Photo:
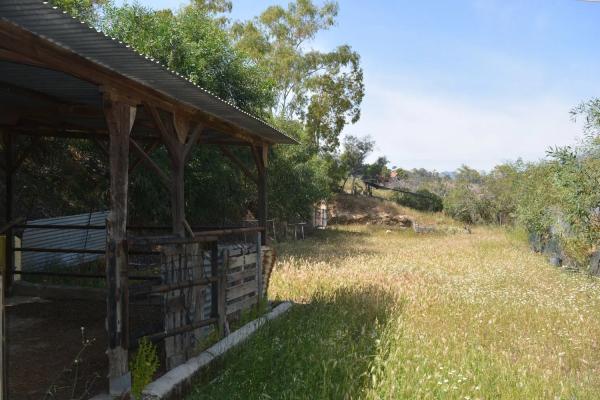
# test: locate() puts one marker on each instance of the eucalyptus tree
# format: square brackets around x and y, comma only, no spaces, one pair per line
[322,89]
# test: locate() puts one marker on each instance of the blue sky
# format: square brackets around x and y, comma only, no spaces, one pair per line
[478,82]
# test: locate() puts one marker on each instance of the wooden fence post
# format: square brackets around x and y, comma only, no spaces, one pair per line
[259,274]
[214,288]
[119,118]
[222,295]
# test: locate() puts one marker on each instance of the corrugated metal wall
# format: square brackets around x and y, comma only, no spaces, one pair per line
[90,239]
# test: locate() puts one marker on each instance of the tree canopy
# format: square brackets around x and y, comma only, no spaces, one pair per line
[324,90]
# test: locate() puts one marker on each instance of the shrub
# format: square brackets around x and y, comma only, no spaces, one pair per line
[143,366]
[424,200]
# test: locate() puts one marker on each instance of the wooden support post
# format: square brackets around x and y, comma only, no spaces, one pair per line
[179,139]
[178,196]
[261,161]
[119,118]
[10,203]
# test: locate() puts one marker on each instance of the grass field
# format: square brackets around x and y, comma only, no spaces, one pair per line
[403,316]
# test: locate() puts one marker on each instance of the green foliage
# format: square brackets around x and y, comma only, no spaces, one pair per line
[143,366]
[324,90]
[86,10]
[355,152]
[320,350]
[198,41]
[424,200]
[535,199]
[378,171]
[465,205]
[297,180]
[194,43]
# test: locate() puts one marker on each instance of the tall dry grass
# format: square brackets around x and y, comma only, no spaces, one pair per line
[402,316]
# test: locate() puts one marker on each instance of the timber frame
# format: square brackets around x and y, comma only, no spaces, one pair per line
[50,89]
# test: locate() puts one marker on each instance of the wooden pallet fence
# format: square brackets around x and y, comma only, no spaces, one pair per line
[202,287]
[184,307]
[245,275]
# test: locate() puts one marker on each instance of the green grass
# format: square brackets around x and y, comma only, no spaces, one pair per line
[396,315]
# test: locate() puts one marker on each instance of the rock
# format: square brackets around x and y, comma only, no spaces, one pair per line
[556,261]
[595,263]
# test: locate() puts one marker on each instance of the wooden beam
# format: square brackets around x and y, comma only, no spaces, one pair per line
[150,162]
[119,119]
[193,140]
[10,149]
[26,92]
[258,161]
[239,163]
[148,150]
[262,190]
[182,127]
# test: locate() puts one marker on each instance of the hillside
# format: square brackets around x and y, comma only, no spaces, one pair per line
[358,209]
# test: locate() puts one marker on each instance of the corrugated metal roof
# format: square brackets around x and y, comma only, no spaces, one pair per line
[56,26]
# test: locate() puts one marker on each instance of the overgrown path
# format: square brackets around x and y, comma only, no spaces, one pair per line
[395,315]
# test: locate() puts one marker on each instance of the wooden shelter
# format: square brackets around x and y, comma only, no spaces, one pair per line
[61,78]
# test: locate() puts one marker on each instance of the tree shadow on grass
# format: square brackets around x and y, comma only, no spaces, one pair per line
[319,350]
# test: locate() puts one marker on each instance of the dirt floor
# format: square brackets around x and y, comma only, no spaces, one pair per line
[45,339]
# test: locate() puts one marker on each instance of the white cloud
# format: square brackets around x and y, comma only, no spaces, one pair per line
[436,131]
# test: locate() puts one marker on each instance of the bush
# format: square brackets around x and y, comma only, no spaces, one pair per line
[143,366]
[422,200]
[464,204]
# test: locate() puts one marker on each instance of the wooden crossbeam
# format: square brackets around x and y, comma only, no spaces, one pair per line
[148,150]
[145,157]
[258,160]
[239,163]
[192,141]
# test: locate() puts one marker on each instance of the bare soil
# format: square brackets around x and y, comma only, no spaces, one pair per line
[44,340]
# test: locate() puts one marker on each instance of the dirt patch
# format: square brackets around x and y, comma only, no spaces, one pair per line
[348,209]
[43,341]
[45,337]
